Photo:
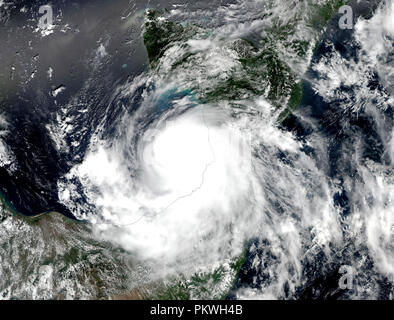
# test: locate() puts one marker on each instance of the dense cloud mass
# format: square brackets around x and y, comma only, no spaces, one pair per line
[264,135]
[173,188]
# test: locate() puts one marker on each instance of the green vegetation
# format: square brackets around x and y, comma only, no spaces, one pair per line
[267,66]
[294,101]
[215,285]
[159,33]
[232,89]
[300,47]
[168,290]
[325,12]
[263,72]
[66,249]
[71,257]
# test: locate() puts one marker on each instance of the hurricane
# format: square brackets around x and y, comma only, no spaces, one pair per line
[246,153]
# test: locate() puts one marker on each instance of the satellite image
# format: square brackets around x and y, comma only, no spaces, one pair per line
[197,150]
